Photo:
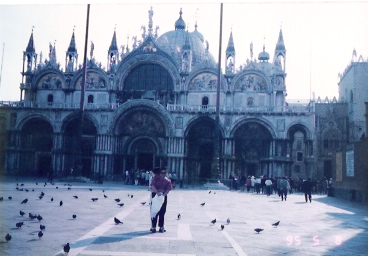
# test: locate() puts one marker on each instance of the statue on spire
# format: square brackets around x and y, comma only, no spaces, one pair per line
[92,48]
[150,22]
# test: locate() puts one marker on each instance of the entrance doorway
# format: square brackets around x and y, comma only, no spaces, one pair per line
[327,169]
[44,166]
[251,169]
[145,161]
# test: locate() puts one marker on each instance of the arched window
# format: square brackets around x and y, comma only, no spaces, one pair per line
[90,99]
[205,101]
[50,98]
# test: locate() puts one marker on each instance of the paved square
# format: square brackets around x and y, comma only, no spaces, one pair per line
[327,226]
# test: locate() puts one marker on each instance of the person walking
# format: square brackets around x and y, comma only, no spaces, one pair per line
[160,186]
[284,187]
[307,189]
[268,184]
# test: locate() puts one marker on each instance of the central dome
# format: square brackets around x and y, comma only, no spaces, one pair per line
[173,41]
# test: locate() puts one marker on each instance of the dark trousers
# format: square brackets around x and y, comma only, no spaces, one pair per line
[268,190]
[283,194]
[160,215]
[308,195]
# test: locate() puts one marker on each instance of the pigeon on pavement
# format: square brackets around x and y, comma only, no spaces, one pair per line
[66,248]
[19,224]
[222,227]
[42,227]
[117,221]
[61,203]
[213,221]
[258,230]
[117,200]
[276,224]
[121,204]
[179,216]
[74,216]
[8,237]
[40,234]
[21,213]
[228,221]
[24,201]
[202,204]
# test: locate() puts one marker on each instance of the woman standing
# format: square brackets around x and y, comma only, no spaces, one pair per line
[160,186]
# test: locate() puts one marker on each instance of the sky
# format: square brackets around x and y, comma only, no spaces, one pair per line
[319,36]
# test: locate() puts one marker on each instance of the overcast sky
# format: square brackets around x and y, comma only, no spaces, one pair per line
[319,36]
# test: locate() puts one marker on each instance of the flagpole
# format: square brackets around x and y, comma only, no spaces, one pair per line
[216,149]
[78,161]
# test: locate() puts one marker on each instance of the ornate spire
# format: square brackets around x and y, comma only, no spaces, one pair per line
[113,46]
[150,22]
[72,47]
[230,46]
[280,46]
[30,46]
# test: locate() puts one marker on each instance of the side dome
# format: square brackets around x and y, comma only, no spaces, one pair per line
[263,56]
[197,33]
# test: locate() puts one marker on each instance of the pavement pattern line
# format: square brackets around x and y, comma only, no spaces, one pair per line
[101,253]
[86,240]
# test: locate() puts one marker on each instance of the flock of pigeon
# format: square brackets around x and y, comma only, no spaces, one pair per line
[257,230]
[66,247]
[38,217]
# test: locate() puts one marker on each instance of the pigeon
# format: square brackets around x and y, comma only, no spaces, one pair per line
[222,227]
[143,203]
[94,199]
[179,216]
[74,216]
[1,198]
[21,213]
[121,204]
[66,248]
[52,199]
[24,201]
[31,215]
[131,196]
[76,197]
[19,224]
[90,189]
[40,197]
[57,187]
[228,221]
[117,221]
[105,196]
[258,230]
[36,183]
[39,217]
[209,192]
[69,188]
[61,203]
[202,204]
[117,200]
[26,190]
[8,237]
[40,234]
[213,221]
[22,184]
[42,227]
[42,194]
[103,191]
[276,224]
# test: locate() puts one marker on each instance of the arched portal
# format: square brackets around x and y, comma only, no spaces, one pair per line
[141,133]
[36,141]
[200,145]
[252,147]
[75,148]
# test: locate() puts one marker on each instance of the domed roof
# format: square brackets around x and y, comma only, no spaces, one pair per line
[173,41]
[263,56]
[197,33]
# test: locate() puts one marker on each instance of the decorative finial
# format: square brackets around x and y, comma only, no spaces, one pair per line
[251,50]
[74,29]
[115,27]
[150,22]
[32,28]
[181,12]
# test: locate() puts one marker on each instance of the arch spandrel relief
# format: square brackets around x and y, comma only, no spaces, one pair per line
[94,81]
[141,122]
[251,82]
[51,81]
[203,82]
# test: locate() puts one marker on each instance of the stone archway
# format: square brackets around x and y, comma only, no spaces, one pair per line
[200,148]
[252,146]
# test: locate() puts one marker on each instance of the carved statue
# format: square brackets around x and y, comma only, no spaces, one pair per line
[92,48]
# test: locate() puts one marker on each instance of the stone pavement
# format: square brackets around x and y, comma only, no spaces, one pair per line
[327,226]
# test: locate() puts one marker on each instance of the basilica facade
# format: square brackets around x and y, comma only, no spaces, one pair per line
[155,105]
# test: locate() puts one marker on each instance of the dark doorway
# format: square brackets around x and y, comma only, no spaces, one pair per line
[251,169]
[44,166]
[145,161]
[205,153]
[327,169]
[86,167]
